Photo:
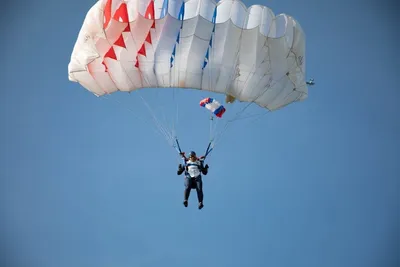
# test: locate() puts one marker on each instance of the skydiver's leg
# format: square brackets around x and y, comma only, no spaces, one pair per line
[186,192]
[199,190]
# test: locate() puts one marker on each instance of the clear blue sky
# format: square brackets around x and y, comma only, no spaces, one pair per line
[85,184]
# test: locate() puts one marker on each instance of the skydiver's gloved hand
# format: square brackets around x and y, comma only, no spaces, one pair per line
[204,170]
[180,169]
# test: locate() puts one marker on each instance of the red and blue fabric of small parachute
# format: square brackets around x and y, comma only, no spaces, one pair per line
[213,105]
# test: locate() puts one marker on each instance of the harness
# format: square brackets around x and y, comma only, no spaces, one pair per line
[193,168]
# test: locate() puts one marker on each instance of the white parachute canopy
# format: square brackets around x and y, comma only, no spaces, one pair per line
[248,54]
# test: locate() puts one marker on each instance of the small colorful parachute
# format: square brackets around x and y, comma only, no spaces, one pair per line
[214,106]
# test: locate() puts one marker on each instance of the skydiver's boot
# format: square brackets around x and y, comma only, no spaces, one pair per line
[201,205]
[185,203]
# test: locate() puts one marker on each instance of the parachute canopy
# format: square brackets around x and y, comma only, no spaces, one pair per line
[214,106]
[246,54]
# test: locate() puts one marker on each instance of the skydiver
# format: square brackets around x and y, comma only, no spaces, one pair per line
[310,82]
[193,169]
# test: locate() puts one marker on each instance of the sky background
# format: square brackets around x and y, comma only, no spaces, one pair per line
[84,183]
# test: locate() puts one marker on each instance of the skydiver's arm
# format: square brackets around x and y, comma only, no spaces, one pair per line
[183,156]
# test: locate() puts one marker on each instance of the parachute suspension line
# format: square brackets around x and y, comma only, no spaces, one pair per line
[159,125]
[225,127]
[168,133]
[175,122]
[177,146]
[257,116]
[169,126]
[241,111]
[178,149]
[211,127]
[165,129]
[156,110]
[134,113]
[211,135]
[119,103]
[208,150]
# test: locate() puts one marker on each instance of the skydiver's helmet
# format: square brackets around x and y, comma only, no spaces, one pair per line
[192,154]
